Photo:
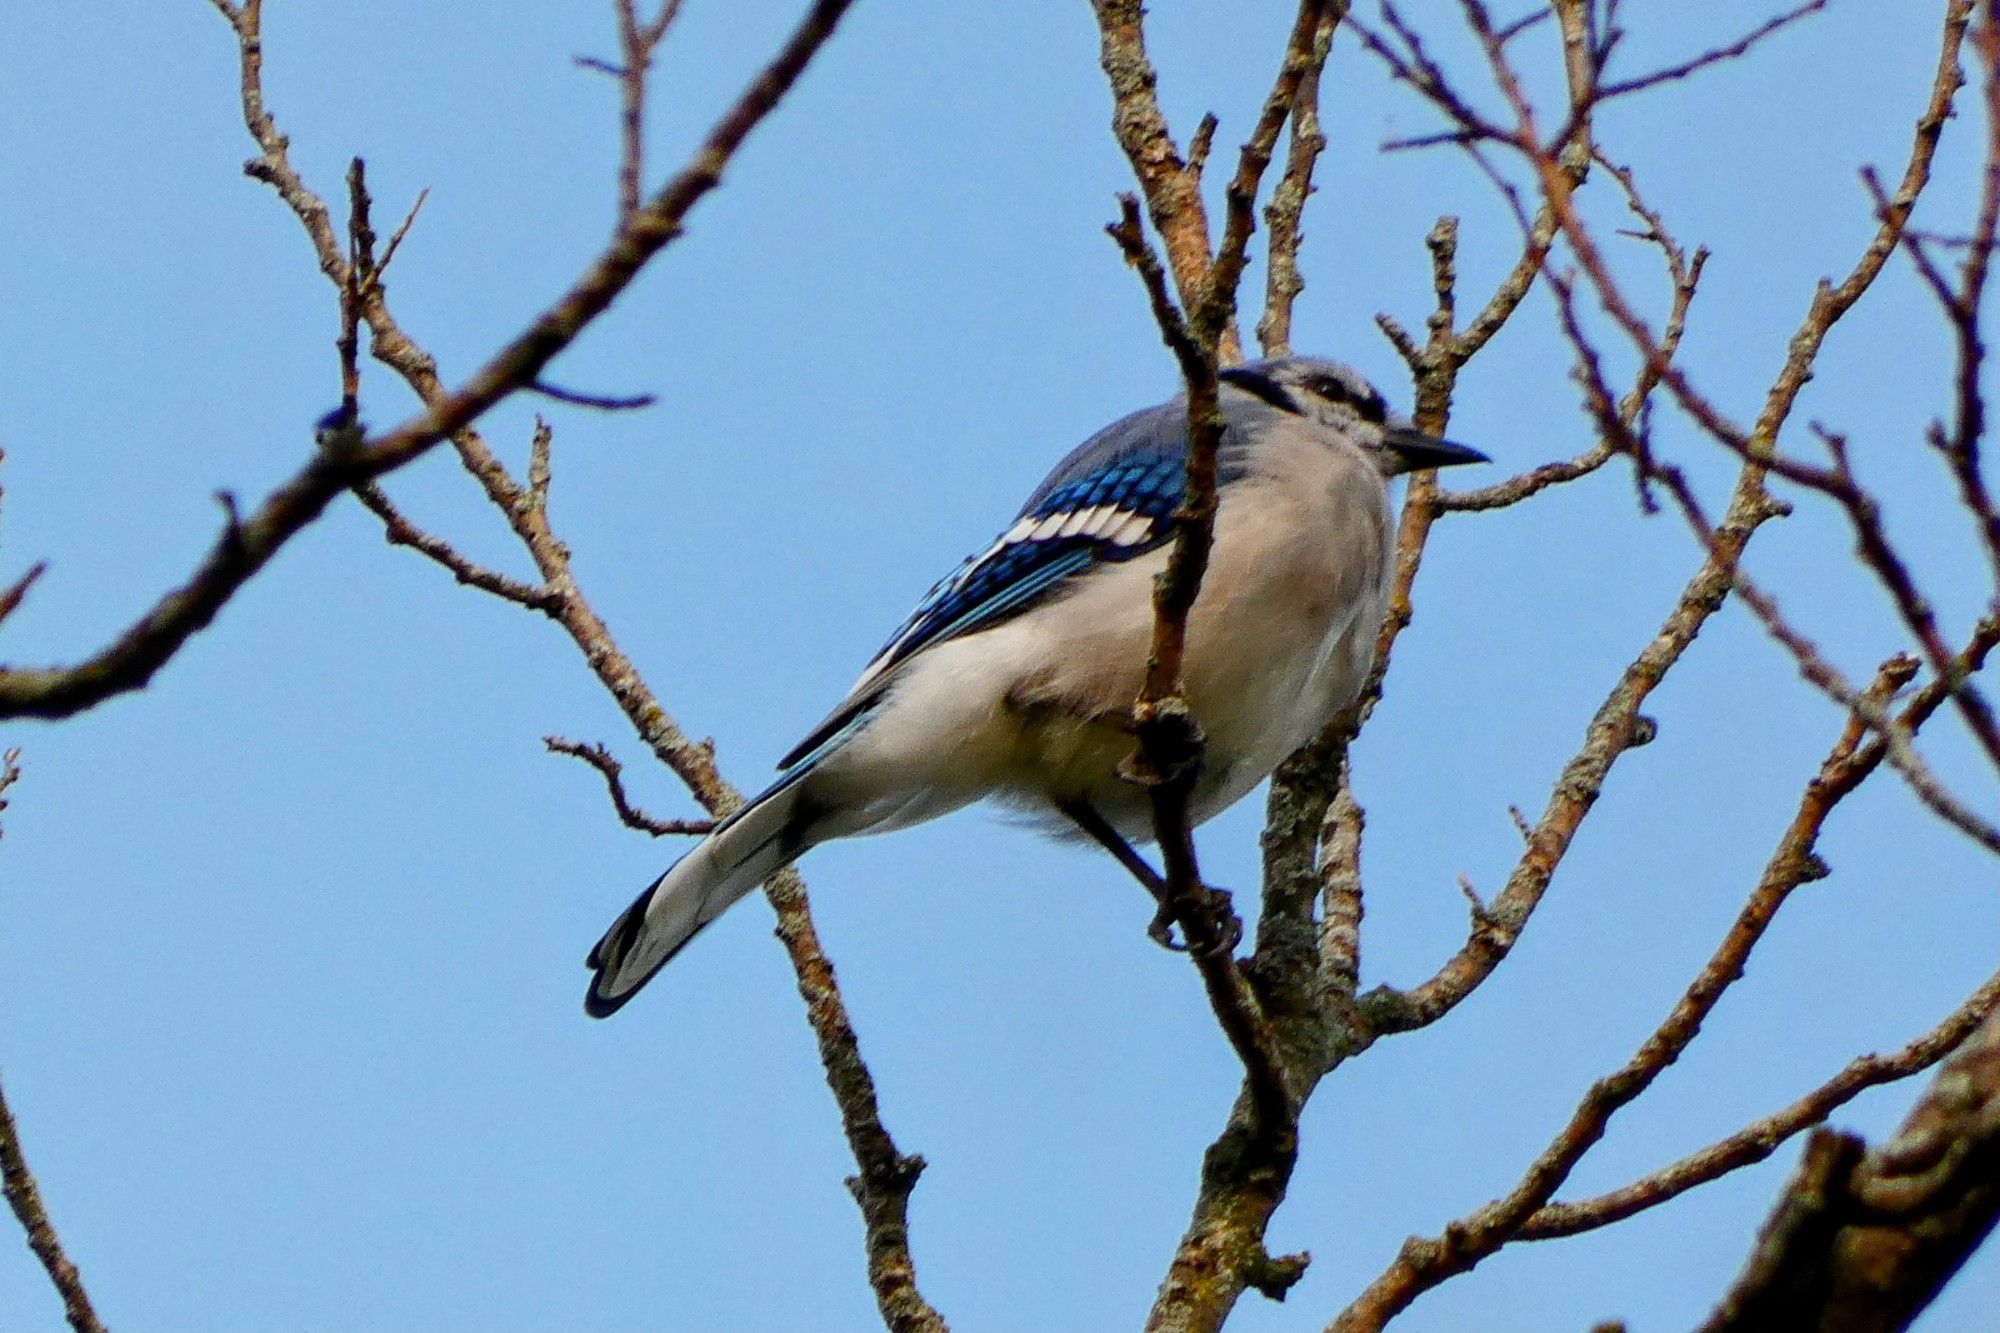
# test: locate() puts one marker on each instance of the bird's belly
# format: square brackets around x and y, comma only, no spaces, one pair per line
[1298,693]
[1265,669]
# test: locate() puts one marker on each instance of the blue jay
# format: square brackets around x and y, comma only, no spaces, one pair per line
[1015,675]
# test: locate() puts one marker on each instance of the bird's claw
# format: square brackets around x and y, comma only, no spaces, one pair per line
[1213,904]
[1161,929]
[1228,926]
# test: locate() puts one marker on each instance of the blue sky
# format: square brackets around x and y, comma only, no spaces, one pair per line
[290,943]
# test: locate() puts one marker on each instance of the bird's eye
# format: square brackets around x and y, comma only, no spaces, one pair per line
[1331,389]
[1368,406]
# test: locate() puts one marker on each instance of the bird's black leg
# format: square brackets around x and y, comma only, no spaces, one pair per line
[1085,816]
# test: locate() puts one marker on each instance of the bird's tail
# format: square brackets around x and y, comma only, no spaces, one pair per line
[744,850]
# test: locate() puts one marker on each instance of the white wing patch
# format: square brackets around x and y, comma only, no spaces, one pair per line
[1111,523]
[1115,525]
[1133,531]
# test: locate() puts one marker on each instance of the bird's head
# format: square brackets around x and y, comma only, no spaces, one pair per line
[1336,396]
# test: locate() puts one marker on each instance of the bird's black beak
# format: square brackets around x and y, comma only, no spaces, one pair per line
[1417,451]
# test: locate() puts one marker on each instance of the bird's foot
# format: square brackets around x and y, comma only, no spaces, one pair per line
[1225,927]
[1212,907]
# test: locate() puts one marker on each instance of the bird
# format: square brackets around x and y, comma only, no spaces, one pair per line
[1015,675]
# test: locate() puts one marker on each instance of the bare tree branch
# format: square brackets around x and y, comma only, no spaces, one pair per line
[1685,272]
[1434,366]
[1614,729]
[1246,1173]
[17,592]
[1812,663]
[24,1196]
[1171,188]
[602,402]
[1760,1138]
[600,758]
[637,43]
[400,531]
[1290,1009]
[885,1175]
[1864,1240]
[1423,1264]
[1754,445]
[1757,446]
[1283,215]
[243,549]
[1734,50]
[1170,737]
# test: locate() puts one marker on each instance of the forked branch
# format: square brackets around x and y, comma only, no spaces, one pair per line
[246,546]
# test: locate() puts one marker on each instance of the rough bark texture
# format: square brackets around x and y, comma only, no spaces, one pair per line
[1862,1240]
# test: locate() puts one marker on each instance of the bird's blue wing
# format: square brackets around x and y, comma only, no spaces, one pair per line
[1111,500]
[1113,514]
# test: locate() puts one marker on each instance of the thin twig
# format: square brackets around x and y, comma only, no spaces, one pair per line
[1685,272]
[1734,50]
[360,272]
[1812,664]
[398,530]
[638,42]
[540,473]
[1172,191]
[16,592]
[1213,316]
[600,758]
[1961,445]
[1756,446]
[24,1196]
[396,237]
[602,402]
[1283,215]
[1435,365]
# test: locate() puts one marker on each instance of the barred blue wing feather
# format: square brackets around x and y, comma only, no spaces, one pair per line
[1114,514]
[1111,500]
